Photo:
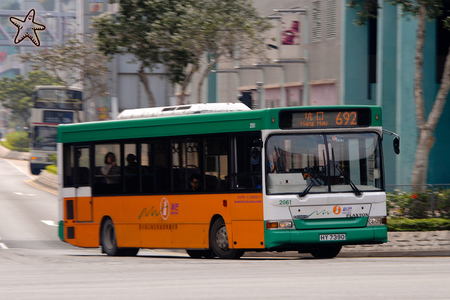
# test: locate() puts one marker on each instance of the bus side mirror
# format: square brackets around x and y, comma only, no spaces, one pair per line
[258,143]
[397,145]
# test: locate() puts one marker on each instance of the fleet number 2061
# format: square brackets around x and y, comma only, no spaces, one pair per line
[284,202]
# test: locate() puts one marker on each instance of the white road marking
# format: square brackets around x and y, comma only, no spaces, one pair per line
[22,194]
[19,169]
[3,246]
[49,222]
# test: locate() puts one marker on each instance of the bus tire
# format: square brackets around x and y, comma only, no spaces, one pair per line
[109,243]
[218,239]
[200,253]
[329,251]
[35,171]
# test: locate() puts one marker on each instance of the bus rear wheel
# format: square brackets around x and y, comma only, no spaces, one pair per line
[327,251]
[109,243]
[218,239]
[200,253]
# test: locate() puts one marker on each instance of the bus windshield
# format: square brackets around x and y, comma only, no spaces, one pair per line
[324,163]
[44,138]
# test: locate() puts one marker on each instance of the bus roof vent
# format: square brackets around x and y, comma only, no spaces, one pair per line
[199,108]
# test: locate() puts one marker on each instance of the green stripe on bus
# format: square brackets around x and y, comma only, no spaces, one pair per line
[282,237]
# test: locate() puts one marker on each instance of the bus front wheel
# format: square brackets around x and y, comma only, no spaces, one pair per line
[327,251]
[218,239]
[109,243]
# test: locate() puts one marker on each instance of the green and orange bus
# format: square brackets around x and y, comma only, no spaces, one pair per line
[306,179]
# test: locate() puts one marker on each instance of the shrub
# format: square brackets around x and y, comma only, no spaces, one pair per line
[442,202]
[52,169]
[402,224]
[52,158]
[17,141]
[419,205]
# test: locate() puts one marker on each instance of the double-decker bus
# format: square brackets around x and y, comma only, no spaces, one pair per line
[53,105]
[306,179]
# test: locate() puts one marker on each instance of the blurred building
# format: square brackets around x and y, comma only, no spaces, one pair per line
[318,56]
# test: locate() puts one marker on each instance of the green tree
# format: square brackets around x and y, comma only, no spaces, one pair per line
[182,35]
[216,29]
[16,93]
[76,62]
[127,32]
[421,9]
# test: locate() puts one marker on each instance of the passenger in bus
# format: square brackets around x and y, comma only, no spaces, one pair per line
[132,167]
[273,161]
[276,162]
[110,169]
[194,183]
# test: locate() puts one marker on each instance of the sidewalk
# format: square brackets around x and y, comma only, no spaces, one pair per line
[426,243]
[8,154]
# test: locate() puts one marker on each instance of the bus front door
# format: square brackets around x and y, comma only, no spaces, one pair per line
[83,190]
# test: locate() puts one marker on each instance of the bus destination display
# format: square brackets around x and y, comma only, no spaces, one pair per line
[324,118]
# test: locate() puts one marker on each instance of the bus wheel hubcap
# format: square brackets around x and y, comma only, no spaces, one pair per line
[222,238]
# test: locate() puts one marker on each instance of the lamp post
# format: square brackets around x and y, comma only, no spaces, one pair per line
[229,71]
[261,92]
[283,79]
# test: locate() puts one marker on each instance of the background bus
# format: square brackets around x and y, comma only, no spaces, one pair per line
[53,105]
[308,179]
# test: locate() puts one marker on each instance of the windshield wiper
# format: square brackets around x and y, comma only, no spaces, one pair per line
[355,189]
[313,182]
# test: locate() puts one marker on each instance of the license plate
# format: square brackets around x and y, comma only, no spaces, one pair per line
[332,237]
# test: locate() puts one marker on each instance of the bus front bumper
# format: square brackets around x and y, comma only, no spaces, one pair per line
[294,239]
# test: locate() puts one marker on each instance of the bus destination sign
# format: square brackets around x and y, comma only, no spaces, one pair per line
[325,118]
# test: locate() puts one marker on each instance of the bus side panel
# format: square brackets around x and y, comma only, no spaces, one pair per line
[247,235]
[86,235]
[191,236]
[247,230]
[170,221]
[246,206]
[180,221]
[84,209]
[128,235]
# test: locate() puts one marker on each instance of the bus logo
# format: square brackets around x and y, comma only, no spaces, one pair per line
[337,210]
[164,208]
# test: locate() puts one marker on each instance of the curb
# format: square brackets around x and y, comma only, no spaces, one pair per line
[47,180]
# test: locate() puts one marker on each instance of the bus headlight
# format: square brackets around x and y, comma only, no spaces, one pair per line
[376,221]
[279,224]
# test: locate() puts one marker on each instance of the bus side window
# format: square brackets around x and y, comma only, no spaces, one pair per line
[83,171]
[246,163]
[185,163]
[155,158]
[107,177]
[68,166]
[132,167]
[216,164]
